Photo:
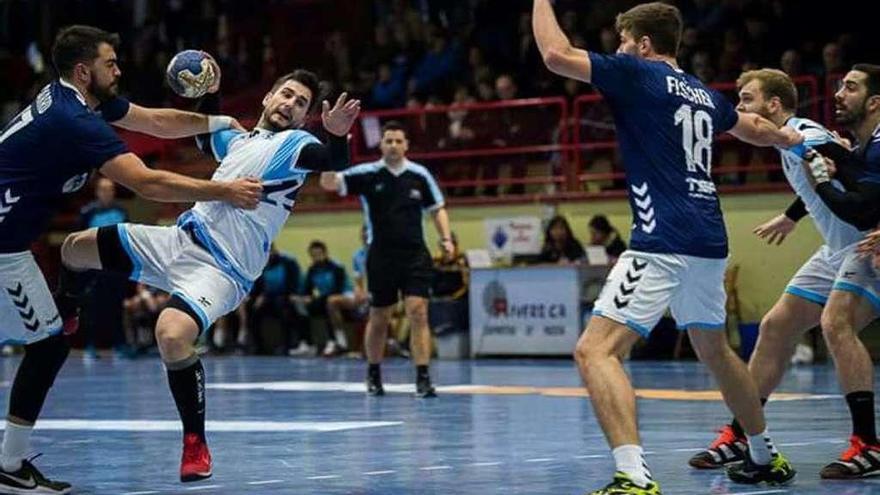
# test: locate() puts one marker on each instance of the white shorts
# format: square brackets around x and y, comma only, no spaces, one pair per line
[168,259]
[641,286]
[27,309]
[829,270]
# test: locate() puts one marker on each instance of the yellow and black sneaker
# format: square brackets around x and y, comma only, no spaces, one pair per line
[623,485]
[778,472]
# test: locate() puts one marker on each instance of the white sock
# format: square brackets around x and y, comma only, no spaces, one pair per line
[759,448]
[630,460]
[340,338]
[16,445]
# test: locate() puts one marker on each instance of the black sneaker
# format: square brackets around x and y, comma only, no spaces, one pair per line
[28,479]
[374,385]
[727,449]
[778,472]
[424,389]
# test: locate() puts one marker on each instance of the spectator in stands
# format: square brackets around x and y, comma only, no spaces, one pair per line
[701,66]
[103,293]
[325,278]
[791,63]
[273,295]
[603,234]
[506,133]
[832,59]
[353,303]
[560,244]
[390,87]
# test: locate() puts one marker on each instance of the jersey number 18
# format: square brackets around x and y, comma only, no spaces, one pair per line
[696,138]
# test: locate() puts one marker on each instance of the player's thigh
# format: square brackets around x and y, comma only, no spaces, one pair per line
[790,317]
[211,293]
[854,299]
[605,337]
[383,280]
[27,309]
[700,301]
[638,290]
[148,249]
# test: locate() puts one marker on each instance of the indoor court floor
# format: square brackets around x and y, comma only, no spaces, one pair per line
[304,426]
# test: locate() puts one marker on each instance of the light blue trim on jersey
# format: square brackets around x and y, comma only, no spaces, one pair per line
[220,142]
[807,294]
[701,326]
[635,327]
[206,323]
[364,168]
[282,163]
[367,223]
[855,289]
[439,201]
[189,219]
[136,264]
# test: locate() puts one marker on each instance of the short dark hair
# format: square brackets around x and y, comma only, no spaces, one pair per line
[656,20]
[318,245]
[78,44]
[873,73]
[393,125]
[601,223]
[308,79]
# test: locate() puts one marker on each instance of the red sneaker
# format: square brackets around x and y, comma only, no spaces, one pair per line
[860,460]
[195,464]
[727,449]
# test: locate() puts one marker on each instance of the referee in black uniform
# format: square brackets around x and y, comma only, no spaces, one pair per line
[395,193]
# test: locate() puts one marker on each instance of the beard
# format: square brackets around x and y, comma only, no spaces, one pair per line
[850,117]
[103,93]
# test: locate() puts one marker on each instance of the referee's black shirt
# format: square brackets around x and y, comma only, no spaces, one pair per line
[393,201]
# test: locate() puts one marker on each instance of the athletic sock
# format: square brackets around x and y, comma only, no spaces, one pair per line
[374,371]
[861,408]
[422,372]
[759,448]
[186,379]
[630,460]
[16,445]
[737,428]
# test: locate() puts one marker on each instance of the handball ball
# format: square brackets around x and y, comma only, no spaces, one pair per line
[191,73]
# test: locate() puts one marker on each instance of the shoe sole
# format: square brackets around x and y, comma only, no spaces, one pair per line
[851,477]
[33,491]
[195,477]
[712,467]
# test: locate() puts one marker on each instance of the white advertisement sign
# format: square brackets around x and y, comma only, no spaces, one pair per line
[509,236]
[525,311]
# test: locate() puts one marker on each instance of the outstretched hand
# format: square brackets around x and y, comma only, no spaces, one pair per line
[339,119]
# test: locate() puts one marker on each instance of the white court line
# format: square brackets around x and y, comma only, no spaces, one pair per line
[376,473]
[435,468]
[765,492]
[590,456]
[148,492]
[225,426]
[325,477]
[687,450]
[204,487]
[541,459]
[484,464]
[265,482]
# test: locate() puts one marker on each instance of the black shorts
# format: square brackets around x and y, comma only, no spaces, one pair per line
[395,272]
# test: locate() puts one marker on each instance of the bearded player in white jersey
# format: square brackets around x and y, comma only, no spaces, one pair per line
[210,259]
[772,94]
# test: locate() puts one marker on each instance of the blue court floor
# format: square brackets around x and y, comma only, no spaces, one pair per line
[304,426]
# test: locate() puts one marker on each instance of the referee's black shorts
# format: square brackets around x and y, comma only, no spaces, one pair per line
[395,272]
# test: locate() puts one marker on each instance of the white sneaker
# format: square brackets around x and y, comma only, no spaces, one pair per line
[302,349]
[340,338]
[330,349]
[803,354]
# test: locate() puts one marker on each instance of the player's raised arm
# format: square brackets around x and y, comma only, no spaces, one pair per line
[161,185]
[333,156]
[758,131]
[556,50]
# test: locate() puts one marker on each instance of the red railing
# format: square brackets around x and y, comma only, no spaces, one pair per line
[465,145]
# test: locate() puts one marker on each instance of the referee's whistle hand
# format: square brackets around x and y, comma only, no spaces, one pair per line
[245,192]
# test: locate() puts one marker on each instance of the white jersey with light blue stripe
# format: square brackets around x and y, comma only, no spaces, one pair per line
[836,233]
[239,239]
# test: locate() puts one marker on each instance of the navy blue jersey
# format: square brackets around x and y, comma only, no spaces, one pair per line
[666,122]
[870,154]
[48,150]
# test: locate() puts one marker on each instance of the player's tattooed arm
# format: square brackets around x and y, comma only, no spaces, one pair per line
[556,49]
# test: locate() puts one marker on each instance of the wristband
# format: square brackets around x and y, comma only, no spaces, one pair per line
[219,122]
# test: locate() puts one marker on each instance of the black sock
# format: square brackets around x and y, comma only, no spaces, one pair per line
[737,428]
[374,370]
[187,382]
[422,372]
[861,408]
